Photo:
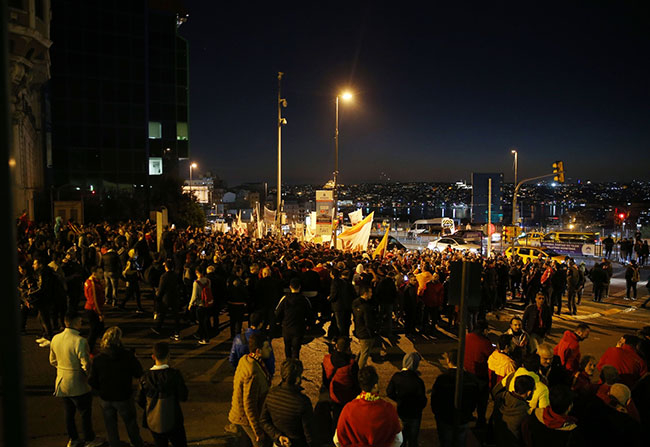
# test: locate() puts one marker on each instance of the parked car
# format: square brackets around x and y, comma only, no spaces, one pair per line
[531,239]
[455,243]
[392,242]
[474,236]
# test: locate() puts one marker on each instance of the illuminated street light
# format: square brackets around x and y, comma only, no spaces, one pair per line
[281,121]
[514,210]
[346,96]
[192,166]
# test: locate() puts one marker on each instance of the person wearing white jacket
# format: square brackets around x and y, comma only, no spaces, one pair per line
[70,355]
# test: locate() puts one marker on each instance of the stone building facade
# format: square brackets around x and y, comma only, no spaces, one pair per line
[29,71]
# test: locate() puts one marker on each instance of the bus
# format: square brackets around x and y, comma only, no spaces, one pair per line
[572,237]
[573,243]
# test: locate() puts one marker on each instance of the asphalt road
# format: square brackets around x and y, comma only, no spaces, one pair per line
[209,375]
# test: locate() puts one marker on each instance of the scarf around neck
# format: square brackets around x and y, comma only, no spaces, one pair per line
[368,397]
[258,359]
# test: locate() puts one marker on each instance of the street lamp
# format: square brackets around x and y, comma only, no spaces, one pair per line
[192,166]
[514,211]
[281,121]
[346,96]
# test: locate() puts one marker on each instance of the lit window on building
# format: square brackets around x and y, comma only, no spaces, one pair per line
[181,131]
[155,130]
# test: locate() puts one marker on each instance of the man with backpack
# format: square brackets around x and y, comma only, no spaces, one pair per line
[201,301]
[162,389]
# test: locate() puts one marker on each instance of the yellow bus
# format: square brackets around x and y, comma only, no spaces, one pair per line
[573,243]
[573,237]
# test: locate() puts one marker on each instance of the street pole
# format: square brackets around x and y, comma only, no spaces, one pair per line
[516,154]
[489,241]
[191,166]
[281,121]
[460,360]
[514,203]
[336,169]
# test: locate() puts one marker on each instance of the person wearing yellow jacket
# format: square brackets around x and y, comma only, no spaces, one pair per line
[540,397]
[250,387]
[500,364]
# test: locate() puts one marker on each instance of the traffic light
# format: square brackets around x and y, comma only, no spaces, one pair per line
[621,216]
[558,170]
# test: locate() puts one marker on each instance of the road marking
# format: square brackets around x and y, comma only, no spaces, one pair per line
[207,376]
[201,349]
[604,313]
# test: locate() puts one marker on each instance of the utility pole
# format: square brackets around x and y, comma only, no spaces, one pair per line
[514,199]
[516,154]
[489,241]
[278,207]
[336,172]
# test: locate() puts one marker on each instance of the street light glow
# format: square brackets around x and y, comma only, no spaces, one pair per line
[194,165]
[346,96]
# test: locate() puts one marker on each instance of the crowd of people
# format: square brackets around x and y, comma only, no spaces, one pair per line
[266,288]
[629,249]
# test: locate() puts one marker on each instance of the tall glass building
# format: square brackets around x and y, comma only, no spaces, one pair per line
[118,95]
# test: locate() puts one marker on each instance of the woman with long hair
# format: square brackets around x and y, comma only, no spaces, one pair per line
[112,374]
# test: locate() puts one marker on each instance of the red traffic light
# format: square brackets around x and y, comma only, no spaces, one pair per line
[621,216]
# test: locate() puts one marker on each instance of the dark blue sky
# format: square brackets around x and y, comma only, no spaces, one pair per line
[442,89]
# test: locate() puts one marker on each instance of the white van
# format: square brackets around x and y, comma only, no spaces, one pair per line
[440,226]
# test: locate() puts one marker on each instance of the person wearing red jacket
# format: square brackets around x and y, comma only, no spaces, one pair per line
[625,359]
[568,349]
[340,371]
[368,420]
[432,298]
[478,349]
[94,293]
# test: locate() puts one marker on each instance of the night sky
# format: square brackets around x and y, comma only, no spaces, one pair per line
[442,89]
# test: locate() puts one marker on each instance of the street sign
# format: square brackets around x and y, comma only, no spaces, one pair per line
[474,270]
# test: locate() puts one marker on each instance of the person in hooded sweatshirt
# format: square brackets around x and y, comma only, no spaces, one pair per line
[500,364]
[408,390]
[111,376]
[568,349]
[511,411]
[340,376]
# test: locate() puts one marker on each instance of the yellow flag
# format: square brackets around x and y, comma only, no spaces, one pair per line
[381,248]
